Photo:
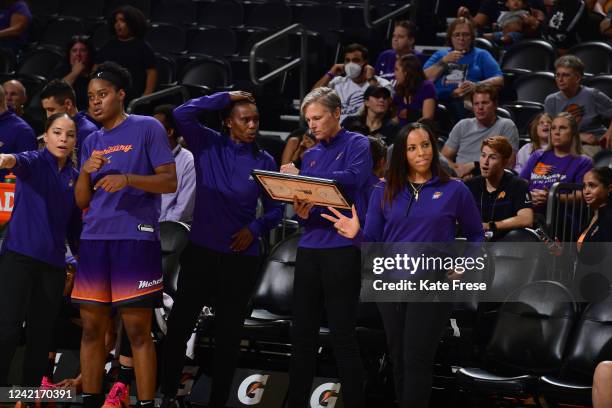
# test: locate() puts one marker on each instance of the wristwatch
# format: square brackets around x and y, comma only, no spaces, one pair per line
[492,227]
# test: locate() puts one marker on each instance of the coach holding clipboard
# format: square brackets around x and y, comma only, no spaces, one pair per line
[327,264]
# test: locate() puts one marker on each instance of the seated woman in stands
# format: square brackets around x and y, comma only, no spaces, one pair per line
[539,132]
[456,70]
[81,54]
[561,161]
[503,198]
[415,96]
[298,142]
[376,115]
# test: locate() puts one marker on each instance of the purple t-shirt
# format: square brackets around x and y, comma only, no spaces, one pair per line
[385,64]
[5,18]
[136,146]
[414,109]
[544,169]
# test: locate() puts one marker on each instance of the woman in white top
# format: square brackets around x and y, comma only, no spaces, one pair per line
[539,130]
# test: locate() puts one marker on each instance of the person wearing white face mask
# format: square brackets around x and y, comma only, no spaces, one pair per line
[358,76]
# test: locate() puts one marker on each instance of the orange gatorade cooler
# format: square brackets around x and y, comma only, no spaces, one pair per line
[7,198]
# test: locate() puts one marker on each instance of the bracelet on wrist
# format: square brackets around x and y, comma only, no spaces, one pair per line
[330,74]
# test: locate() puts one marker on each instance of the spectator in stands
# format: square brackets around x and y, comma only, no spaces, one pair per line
[511,24]
[587,104]
[32,266]
[602,392]
[561,161]
[572,22]
[58,97]
[376,115]
[417,203]
[539,132]
[462,149]
[15,18]
[415,96]
[126,165]
[457,70]
[402,43]
[177,206]
[298,142]
[16,96]
[15,134]
[130,50]
[357,76]
[81,56]
[502,198]
[224,236]
[378,149]
[491,11]
[325,260]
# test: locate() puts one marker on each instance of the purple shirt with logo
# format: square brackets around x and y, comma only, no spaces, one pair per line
[45,213]
[345,158]
[226,193]
[414,109]
[137,145]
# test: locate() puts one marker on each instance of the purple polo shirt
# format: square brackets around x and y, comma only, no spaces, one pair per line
[45,213]
[431,218]
[138,145]
[385,64]
[15,135]
[226,193]
[345,158]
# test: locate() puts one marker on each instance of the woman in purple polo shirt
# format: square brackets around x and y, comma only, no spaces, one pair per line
[32,267]
[417,203]
[327,265]
[127,165]
[219,265]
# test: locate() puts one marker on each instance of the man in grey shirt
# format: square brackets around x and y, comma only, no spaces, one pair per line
[462,149]
[587,105]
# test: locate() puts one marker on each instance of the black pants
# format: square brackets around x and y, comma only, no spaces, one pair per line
[413,331]
[226,282]
[329,277]
[30,291]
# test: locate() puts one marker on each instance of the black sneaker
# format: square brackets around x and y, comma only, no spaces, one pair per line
[170,403]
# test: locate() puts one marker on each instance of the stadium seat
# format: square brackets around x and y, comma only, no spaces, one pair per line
[41,61]
[223,13]
[529,56]
[90,9]
[591,344]
[272,301]
[485,44]
[272,16]
[166,38]
[217,42]
[523,115]
[601,82]
[603,158]
[166,71]
[596,56]
[504,113]
[202,70]
[7,61]
[142,5]
[60,30]
[535,87]
[444,122]
[44,7]
[529,339]
[176,12]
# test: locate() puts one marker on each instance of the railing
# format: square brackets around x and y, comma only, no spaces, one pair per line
[300,61]
[156,96]
[367,16]
[566,211]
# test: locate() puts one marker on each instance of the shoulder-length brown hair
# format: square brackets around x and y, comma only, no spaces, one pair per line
[397,175]
[452,26]
[415,76]
[575,143]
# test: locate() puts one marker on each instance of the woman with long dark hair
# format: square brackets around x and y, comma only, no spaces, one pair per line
[415,95]
[417,203]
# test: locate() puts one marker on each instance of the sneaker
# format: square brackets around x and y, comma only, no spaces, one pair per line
[119,396]
[46,383]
